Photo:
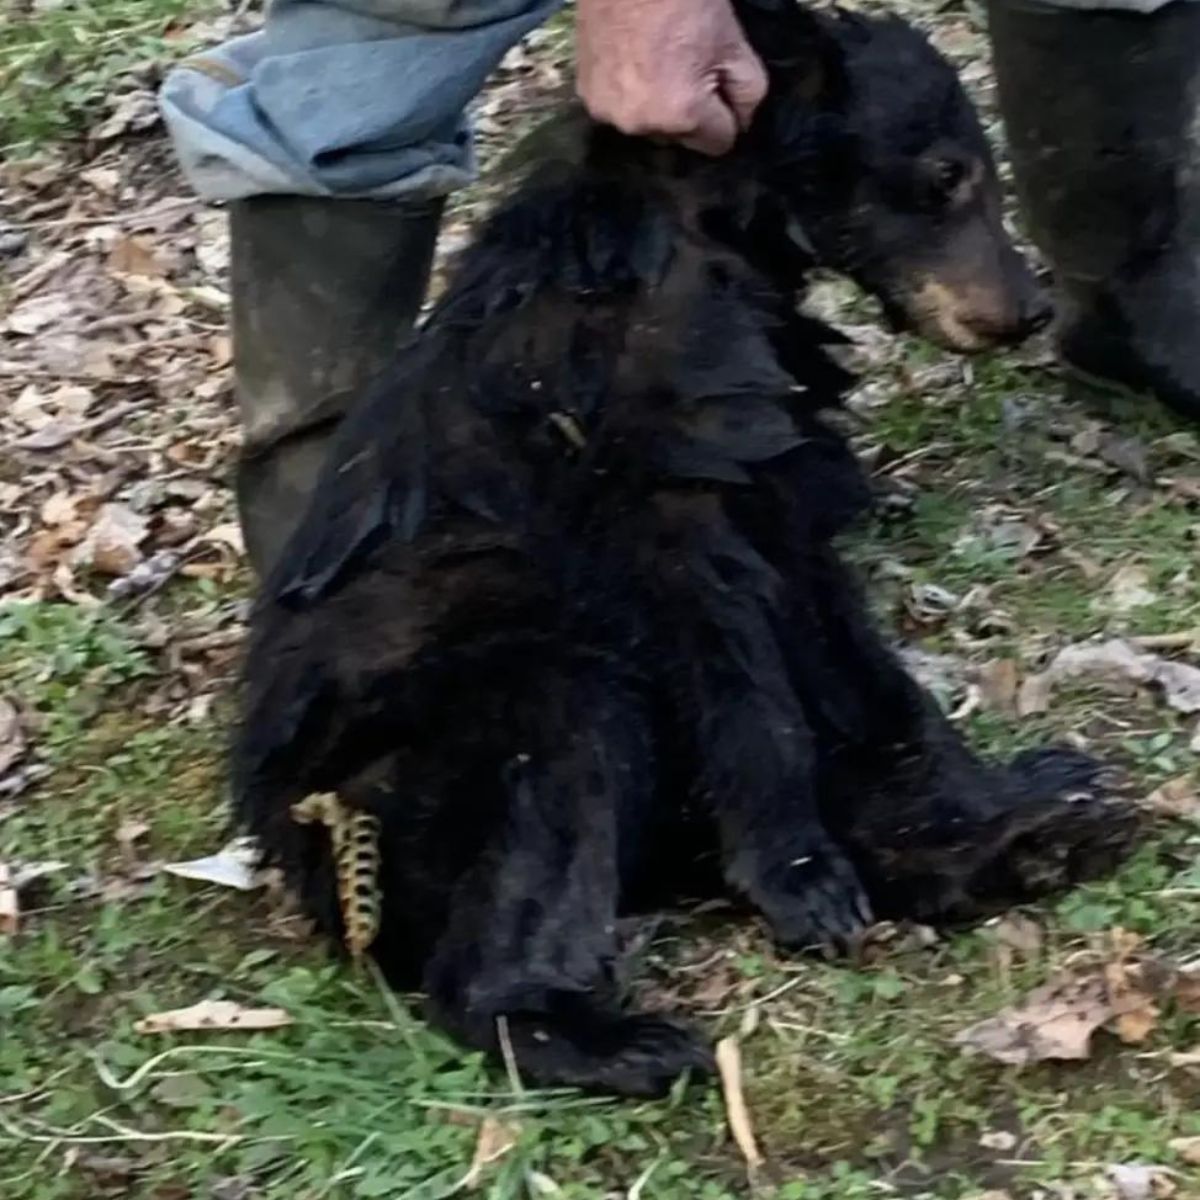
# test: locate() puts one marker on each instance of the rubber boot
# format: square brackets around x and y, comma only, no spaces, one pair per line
[323,293]
[1101,114]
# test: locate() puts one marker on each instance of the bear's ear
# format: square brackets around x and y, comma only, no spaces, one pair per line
[796,45]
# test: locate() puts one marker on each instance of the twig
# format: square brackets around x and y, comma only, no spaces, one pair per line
[729,1066]
[773,994]
[122,1133]
[113,416]
[493,1141]
[13,370]
[510,1058]
[160,209]
[1166,641]
[639,1184]
[150,1066]
[120,321]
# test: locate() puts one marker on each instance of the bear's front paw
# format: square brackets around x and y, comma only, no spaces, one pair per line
[814,900]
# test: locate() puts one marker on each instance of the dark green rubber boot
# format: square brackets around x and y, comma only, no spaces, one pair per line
[1101,112]
[323,293]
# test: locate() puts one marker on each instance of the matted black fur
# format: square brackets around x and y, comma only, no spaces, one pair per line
[566,610]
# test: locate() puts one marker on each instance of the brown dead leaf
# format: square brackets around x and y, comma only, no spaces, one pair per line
[1127,454]
[1180,683]
[105,180]
[1057,1020]
[131,113]
[1054,1022]
[1184,989]
[1020,934]
[228,535]
[1000,1139]
[1129,588]
[60,508]
[213,1014]
[1087,440]
[10,907]
[1136,1014]
[38,313]
[51,436]
[1188,1149]
[997,681]
[113,544]
[135,255]
[1186,487]
[1115,662]
[1125,993]
[1033,696]
[128,834]
[12,737]
[1088,567]
[1175,798]
[496,1138]
[1141,1181]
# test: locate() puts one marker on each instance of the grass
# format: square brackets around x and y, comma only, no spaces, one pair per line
[855,1085]
[58,66]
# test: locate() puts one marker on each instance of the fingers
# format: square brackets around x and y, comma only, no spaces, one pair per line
[743,86]
[675,69]
[714,127]
[725,113]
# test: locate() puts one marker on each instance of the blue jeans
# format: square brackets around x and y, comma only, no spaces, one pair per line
[356,98]
[347,98]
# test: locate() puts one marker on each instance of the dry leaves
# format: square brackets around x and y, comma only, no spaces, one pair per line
[1188,1149]
[235,865]
[135,255]
[496,1138]
[1054,1022]
[213,1014]
[15,878]
[1057,1021]
[1115,662]
[10,906]
[38,313]
[1128,589]
[1141,1181]
[114,375]
[998,682]
[1175,798]
[112,545]
[1019,935]
[12,736]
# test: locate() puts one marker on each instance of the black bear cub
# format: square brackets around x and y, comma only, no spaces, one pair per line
[566,615]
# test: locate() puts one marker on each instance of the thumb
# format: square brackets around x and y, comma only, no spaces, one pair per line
[716,127]
[743,85]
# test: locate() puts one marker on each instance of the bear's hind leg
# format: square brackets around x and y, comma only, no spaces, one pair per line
[530,945]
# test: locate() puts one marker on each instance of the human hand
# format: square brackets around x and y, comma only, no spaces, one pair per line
[680,69]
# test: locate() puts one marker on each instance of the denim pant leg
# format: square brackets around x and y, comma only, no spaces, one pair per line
[346,98]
